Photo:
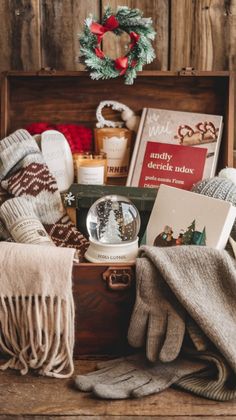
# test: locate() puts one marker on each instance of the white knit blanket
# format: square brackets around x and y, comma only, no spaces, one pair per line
[36,308]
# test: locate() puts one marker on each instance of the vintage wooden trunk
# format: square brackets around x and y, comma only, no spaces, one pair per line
[104,294]
[104,297]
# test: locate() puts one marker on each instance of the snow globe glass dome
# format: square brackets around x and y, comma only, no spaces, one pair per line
[113,223]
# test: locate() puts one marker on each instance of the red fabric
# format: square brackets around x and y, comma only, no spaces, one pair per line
[121,64]
[99,30]
[79,137]
[39,128]
[111,23]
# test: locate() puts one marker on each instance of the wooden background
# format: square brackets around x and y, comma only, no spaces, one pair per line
[44,33]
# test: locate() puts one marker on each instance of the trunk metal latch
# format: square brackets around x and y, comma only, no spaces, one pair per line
[118,278]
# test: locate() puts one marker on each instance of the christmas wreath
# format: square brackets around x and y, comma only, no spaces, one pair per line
[140,52]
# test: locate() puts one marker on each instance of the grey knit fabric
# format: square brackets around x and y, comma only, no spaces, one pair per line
[217,187]
[215,383]
[206,374]
[157,321]
[135,377]
[204,281]
[221,188]
[197,336]
[14,148]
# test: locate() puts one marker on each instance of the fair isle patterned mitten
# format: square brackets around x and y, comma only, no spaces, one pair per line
[23,172]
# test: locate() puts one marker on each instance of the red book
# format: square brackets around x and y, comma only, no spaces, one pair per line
[176,148]
[177,166]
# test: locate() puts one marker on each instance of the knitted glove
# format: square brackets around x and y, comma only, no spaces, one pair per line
[157,318]
[134,377]
[216,382]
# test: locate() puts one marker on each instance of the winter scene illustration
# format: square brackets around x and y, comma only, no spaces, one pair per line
[113,222]
[190,236]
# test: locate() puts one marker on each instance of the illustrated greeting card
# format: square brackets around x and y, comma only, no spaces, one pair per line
[182,217]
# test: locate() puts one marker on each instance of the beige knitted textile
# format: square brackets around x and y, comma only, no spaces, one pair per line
[36,308]
[204,281]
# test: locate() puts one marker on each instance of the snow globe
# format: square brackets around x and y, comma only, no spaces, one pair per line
[113,224]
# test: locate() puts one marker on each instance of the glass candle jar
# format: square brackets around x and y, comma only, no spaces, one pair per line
[91,168]
[116,143]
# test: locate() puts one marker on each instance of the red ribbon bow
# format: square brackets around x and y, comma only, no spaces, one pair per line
[99,53]
[121,64]
[134,39]
[99,30]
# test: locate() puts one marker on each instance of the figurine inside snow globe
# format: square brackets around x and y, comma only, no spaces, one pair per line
[113,223]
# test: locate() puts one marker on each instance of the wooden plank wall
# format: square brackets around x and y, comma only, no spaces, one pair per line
[44,33]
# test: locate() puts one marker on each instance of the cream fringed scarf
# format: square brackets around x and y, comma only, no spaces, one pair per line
[36,308]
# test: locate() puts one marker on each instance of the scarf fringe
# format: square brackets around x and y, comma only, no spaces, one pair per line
[37,332]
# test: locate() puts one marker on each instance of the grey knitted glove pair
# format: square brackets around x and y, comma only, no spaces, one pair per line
[204,373]
[134,377]
[157,320]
